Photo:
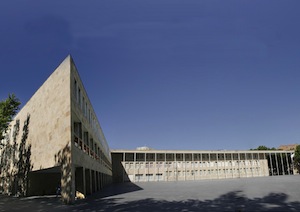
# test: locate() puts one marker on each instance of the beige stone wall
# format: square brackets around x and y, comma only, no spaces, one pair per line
[49,110]
[49,153]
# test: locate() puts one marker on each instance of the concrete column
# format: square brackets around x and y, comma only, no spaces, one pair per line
[183,155]
[87,182]
[175,170]
[276,160]
[271,163]
[266,159]
[193,165]
[165,172]
[287,164]
[263,164]
[148,169]
[293,168]
[225,169]
[246,165]
[282,166]
[201,167]
[145,169]
[68,183]
[95,181]
[217,156]
[84,184]
[134,165]
[239,161]
[209,166]
[155,169]
[124,157]
[232,164]
[91,180]
[101,180]
[73,193]
[106,179]
[252,164]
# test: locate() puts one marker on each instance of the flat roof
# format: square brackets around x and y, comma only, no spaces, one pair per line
[199,151]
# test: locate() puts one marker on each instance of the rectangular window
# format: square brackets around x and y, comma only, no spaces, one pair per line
[79,97]
[92,144]
[75,89]
[77,129]
[83,104]
[86,138]
[85,110]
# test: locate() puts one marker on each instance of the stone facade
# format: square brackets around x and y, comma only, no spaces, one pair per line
[41,150]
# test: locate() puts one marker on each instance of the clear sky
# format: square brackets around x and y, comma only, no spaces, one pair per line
[187,75]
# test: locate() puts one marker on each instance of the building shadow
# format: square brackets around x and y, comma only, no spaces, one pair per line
[118,172]
[231,201]
[116,189]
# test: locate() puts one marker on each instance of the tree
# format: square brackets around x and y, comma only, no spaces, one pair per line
[8,109]
[297,158]
[264,148]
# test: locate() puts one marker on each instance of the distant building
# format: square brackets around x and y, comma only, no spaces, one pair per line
[167,165]
[288,147]
[56,141]
[143,148]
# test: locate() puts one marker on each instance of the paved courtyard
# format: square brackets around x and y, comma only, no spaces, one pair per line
[278,193]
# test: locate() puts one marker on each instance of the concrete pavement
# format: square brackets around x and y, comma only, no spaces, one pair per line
[277,193]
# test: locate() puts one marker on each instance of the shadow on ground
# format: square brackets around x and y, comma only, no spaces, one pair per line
[116,189]
[106,200]
[232,201]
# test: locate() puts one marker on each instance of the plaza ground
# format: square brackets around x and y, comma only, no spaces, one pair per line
[277,193]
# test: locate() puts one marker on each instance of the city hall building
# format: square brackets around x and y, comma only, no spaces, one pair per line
[56,141]
[144,164]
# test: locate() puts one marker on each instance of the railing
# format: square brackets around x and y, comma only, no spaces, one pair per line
[85,148]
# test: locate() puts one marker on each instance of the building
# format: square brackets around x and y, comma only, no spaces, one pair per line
[143,165]
[288,147]
[56,141]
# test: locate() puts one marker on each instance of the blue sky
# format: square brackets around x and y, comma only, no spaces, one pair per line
[204,75]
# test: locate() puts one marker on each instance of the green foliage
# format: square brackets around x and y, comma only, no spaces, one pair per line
[297,158]
[8,109]
[264,148]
